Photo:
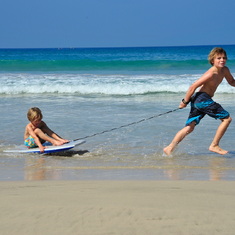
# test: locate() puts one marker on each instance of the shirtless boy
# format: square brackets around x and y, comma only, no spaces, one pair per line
[202,103]
[37,132]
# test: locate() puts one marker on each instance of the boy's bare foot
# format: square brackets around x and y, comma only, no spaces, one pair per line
[57,143]
[217,149]
[168,150]
[65,141]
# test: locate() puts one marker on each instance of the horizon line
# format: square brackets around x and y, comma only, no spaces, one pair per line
[108,47]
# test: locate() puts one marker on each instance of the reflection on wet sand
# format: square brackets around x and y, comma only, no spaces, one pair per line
[217,172]
[53,167]
[216,169]
[43,168]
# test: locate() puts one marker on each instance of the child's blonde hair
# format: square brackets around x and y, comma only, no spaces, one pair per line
[214,52]
[34,114]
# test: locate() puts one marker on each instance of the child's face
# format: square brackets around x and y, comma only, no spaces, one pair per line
[220,60]
[36,122]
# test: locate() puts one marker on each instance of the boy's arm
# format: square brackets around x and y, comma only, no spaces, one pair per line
[229,77]
[38,142]
[203,79]
[51,133]
[46,129]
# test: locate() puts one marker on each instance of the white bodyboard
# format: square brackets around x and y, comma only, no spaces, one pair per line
[48,149]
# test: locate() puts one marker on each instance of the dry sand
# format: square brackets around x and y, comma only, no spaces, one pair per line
[117,207]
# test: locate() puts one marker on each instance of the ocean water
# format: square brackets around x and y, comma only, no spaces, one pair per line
[123,102]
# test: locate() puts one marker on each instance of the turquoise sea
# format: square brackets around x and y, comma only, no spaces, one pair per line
[95,93]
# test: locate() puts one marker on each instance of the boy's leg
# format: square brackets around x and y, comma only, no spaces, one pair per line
[214,147]
[45,137]
[53,135]
[178,138]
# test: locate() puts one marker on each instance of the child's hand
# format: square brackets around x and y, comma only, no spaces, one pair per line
[42,149]
[182,105]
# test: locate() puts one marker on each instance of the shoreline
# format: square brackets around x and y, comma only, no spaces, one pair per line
[116,168]
[117,207]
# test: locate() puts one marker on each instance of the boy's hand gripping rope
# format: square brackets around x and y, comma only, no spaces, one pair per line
[133,123]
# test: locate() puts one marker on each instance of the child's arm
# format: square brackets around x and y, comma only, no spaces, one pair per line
[52,134]
[229,77]
[38,142]
[202,80]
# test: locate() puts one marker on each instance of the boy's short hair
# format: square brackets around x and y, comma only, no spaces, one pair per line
[34,114]
[216,51]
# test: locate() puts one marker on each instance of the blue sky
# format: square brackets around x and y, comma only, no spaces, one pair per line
[116,23]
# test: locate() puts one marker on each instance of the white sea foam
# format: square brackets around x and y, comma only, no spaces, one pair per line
[88,84]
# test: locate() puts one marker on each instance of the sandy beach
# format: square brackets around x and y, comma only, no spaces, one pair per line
[117,207]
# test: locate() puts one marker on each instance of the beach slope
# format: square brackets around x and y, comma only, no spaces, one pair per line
[117,207]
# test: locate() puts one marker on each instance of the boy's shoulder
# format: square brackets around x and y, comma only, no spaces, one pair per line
[43,123]
[210,72]
[225,68]
[213,70]
[28,125]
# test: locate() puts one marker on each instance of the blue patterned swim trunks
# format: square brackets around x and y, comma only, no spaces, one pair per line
[30,142]
[202,104]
